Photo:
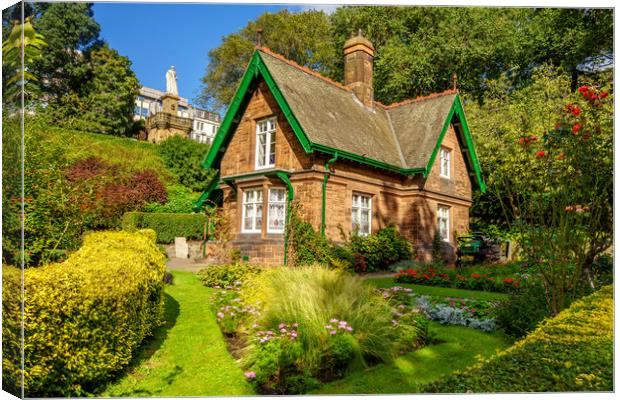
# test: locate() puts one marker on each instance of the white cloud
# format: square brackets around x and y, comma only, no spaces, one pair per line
[326,8]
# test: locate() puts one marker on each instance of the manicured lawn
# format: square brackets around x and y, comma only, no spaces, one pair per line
[406,374]
[439,291]
[187,356]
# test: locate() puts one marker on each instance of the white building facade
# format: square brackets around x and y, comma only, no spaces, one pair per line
[204,123]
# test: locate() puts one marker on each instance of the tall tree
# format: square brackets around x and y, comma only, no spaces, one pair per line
[69,30]
[302,37]
[111,90]
[419,48]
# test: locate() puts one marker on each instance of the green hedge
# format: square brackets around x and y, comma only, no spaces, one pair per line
[571,352]
[85,317]
[167,225]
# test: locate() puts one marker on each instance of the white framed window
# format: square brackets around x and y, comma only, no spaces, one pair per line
[361,214]
[252,218]
[444,160]
[276,210]
[443,222]
[266,143]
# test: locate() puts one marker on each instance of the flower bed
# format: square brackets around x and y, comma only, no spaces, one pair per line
[461,280]
[295,328]
[476,314]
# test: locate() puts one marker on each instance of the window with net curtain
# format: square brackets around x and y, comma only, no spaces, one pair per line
[443,222]
[361,214]
[276,212]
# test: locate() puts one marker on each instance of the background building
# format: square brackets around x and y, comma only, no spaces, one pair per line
[204,123]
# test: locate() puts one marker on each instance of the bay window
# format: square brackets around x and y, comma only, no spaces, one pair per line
[276,211]
[252,210]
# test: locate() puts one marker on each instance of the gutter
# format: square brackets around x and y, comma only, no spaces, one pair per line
[324,190]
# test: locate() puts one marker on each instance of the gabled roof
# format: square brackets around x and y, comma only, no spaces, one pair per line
[327,117]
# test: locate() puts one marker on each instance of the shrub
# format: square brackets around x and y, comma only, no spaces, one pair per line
[382,248]
[183,157]
[167,225]
[318,323]
[225,276]
[523,311]
[85,317]
[571,352]
[181,200]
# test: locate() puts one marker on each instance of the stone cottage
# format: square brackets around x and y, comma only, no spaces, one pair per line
[352,163]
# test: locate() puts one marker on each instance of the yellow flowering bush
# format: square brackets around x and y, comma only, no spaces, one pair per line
[83,318]
[571,352]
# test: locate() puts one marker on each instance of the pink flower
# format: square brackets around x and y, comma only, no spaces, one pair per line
[249,375]
[282,325]
[332,332]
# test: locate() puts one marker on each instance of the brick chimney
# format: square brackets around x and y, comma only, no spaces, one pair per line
[358,59]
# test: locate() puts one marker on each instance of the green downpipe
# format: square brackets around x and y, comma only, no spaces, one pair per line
[289,199]
[324,191]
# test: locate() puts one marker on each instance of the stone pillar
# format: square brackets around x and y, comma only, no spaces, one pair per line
[170,103]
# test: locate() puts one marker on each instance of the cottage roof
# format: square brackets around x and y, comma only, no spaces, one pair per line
[328,117]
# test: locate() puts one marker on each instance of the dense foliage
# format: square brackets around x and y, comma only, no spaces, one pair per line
[84,318]
[571,352]
[549,154]
[183,157]
[417,49]
[362,253]
[74,182]
[166,225]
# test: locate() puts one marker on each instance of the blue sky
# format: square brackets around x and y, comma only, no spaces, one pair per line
[156,36]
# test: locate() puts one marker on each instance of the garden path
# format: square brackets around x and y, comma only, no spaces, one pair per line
[187,356]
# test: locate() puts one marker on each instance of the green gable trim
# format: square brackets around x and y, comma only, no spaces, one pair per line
[257,68]
[238,105]
[457,110]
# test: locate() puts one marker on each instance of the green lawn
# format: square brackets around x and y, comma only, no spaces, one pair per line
[187,356]
[439,291]
[458,349]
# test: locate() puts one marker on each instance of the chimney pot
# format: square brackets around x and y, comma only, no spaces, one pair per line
[358,66]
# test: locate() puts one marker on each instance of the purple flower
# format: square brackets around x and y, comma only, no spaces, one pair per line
[249,375]
[282,325]
[269,332]
[220,315]
[332,332]
[350,329]
[283,330]
[342,324]
[254,326]
[328,327]
[333,320]
[295,325]
[293,334]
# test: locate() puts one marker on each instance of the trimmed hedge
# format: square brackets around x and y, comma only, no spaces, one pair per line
[167,225]
[85,317]
[571,352]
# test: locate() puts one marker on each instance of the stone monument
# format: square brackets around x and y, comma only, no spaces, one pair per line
[166,123]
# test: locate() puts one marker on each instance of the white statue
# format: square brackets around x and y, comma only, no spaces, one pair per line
[171,81]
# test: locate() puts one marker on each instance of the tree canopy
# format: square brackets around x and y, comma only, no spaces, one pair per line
[419,48]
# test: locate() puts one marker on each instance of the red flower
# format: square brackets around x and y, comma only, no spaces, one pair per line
[509,280]
[533,138]
[576,111]
[475,276]
[540,154]
[426,277]
[576,128]
[603,95]
[583,89]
